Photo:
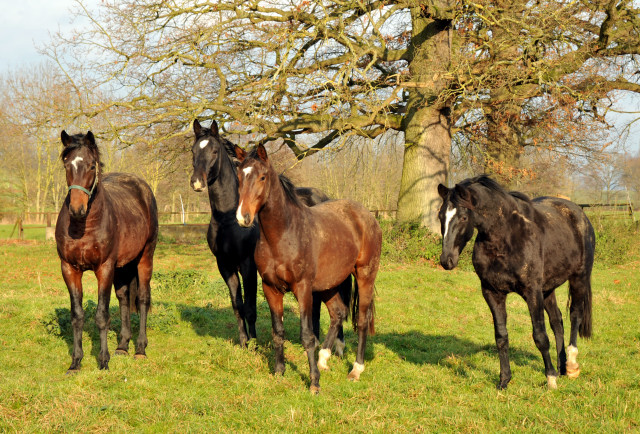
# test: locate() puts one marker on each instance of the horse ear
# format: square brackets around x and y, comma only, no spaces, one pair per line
[197,128]
[65,138]
[262,153]
[240,153]
[466,195]
[443,191]
[89,138]
[214,129]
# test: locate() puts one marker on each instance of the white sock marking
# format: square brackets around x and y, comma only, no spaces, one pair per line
[204,143]
[75,162]
[447,219]
[323,357]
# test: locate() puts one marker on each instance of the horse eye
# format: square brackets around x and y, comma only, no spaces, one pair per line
[464,218]
[263,177]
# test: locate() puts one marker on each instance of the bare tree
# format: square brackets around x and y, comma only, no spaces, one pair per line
[315,73]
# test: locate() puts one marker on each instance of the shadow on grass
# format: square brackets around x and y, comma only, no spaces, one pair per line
[450,351]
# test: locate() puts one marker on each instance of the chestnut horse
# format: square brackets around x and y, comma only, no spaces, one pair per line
[233,246]
[108,224]
[525,246]
[307,250]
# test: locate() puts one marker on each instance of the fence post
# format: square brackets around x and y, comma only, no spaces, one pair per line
[49,232]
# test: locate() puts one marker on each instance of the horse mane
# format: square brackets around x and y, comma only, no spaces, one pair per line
[493,186]
[288,186]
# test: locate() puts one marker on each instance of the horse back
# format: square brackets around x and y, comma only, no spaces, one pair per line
[568,237]
[135,211]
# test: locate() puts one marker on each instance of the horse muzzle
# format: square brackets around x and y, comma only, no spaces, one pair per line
[197,184]
[449,260]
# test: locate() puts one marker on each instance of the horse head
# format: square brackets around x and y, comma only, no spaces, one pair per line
[254,182]
[456,222]
[208,152]
[81,159]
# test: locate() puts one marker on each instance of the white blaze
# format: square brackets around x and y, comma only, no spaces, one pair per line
[247,171]
[239,216]
[447,219]
[75,162]
[204,143]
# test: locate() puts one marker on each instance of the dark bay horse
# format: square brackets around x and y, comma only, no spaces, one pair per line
[234,246]
[108,224]
[309,249]
[525,246]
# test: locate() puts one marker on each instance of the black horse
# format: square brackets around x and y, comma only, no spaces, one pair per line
[525,246]
[214,166]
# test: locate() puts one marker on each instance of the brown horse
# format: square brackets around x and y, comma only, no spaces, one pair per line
[108,224]
[306,250]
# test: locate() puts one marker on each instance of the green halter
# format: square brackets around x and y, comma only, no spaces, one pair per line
[89,192]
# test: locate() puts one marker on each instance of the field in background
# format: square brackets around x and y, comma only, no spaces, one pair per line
[431,366]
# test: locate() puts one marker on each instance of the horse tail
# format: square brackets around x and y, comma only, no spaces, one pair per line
[579,302]
[585,325]
[133,295]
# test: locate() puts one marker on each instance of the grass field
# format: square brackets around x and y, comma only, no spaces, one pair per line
[432,366]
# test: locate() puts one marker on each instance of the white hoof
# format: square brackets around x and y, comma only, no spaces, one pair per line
[551,382]
[323,358]
[573,368]
[358,369]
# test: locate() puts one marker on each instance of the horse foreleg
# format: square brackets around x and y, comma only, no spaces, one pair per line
[555,320]
[230,276]
[497,305]
[145,270]
[249,274]
[535,302]
[315,315]
[302,291]
[104,274]
[274,299]
[73,279]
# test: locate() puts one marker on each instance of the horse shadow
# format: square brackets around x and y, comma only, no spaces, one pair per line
[59,323]
[449,351]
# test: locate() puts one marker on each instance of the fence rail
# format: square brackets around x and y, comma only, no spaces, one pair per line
[198,220]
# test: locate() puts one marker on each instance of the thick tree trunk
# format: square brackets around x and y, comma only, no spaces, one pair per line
[426,164]
[426,123]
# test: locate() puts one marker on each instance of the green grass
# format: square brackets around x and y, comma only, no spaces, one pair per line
[432,366]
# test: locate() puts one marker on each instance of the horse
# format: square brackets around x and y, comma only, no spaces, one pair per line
[529,247]
[214,167]
[309,249]
[108,224]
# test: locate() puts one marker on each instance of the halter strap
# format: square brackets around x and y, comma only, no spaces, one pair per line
[89,192]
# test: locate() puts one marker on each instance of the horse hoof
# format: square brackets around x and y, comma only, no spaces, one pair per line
[140,356]
[339,347]
[121,353]
[573,371]
[552,382]
[314,390]
[358,369]
[72,371]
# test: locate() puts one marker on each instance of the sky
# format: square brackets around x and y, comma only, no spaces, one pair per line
[26,24]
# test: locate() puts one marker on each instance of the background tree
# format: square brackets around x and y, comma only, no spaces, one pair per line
[502,75]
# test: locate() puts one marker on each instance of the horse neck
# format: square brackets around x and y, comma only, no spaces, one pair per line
[223,192]
[492,216]
[278,215]
[97,213]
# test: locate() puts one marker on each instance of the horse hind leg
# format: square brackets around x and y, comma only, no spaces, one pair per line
[249,274]
[555,320]
[338,312]
[144,272]
[580,315]
[126,288]
[363,320]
